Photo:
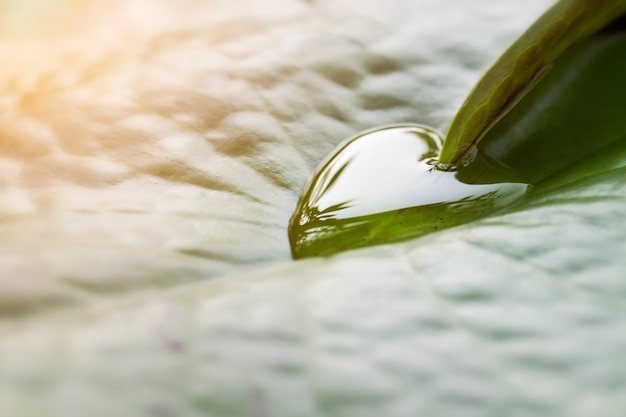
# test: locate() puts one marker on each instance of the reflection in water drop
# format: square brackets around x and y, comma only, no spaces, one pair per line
[380,186]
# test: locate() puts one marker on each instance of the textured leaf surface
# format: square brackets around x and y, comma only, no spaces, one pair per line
[150,146]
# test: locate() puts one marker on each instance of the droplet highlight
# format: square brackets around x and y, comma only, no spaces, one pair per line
[381,186]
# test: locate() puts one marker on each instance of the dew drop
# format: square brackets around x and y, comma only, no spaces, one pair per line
[382,186]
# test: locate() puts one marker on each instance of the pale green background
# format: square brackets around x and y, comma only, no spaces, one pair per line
[152,154]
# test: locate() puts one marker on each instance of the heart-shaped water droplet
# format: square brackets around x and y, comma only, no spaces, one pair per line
[381,186]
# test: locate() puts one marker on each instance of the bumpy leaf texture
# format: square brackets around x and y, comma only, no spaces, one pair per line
[151,155]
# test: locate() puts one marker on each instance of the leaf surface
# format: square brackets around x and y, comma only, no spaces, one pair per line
[149,173]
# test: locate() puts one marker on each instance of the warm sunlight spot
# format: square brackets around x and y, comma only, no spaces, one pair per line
[76,76]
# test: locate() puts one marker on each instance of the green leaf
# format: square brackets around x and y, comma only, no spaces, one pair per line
[150,166]
[520,67]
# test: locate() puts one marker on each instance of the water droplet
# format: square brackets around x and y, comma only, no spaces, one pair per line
[382,186]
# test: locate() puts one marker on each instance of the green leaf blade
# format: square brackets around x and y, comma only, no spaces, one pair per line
[519,67]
